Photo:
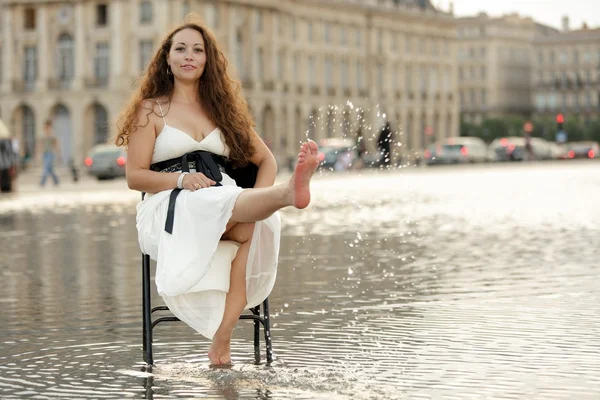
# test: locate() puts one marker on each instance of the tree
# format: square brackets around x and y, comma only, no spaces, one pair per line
[592,131]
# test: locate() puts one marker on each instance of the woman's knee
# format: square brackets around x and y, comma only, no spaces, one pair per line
[241,232]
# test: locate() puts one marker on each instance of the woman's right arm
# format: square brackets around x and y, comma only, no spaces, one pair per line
[139,158]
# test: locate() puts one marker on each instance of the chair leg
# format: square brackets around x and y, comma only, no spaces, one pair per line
[256,311]
[146,310]
[267,327]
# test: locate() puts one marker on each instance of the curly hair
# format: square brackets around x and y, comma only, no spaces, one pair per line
[219,94]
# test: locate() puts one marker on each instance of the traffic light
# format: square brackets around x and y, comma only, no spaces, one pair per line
[559,120]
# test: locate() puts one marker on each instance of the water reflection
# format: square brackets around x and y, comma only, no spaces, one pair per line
[395,285]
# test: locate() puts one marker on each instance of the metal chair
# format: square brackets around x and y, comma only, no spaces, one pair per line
[149,324]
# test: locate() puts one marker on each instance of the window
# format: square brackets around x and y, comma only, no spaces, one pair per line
[100,124]
[185,8]
[408,44]
[359,38]
[380,78]
[379,41]
[342,35]
[65,60]
[102,63]
[259,22]
[296,68]
[327,33]
[433,79]
[359,75]
[146,47]
[482,72]
[239,55]
[540,57]
[408,80]
[30,67]
[211,13]
[101,14]
[575,57]
[280,60]
[329,72]
[483,97]
[344,74]
[145,12]
[563,57]
[309,31]
[312,71]
[260,65]
[294,33]
[29,19]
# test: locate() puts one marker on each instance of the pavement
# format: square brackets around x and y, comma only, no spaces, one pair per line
[29,181]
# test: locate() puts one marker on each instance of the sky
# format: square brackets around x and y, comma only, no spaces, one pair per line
[547,12]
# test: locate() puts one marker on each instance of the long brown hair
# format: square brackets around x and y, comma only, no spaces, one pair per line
[219,94]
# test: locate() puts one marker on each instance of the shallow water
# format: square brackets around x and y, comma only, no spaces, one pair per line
[443,283]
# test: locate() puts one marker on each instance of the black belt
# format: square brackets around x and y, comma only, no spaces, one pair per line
[209,164]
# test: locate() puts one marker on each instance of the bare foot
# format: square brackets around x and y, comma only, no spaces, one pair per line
[220,352]
[300,182]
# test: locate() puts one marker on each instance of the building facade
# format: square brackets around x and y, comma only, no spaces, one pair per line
[316,68]
[495,57]
[566,75]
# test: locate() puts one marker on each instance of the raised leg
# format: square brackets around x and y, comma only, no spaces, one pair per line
[257,204]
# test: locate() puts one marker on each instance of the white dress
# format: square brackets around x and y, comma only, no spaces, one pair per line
[193,264]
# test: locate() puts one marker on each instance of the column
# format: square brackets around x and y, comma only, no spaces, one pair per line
[43,49]
[116,43]
[80,56]
[8,54]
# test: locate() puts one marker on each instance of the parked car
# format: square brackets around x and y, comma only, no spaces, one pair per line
[456,150]
[336,154]
[583,150]
[106,161]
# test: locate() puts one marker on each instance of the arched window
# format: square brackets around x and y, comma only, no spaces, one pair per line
[100,124]
[145,12]
[65,60]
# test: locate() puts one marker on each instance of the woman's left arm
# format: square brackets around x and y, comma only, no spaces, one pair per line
[265,161]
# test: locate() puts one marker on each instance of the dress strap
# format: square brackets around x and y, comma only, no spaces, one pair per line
[162,114]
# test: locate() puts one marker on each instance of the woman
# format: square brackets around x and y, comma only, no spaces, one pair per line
[221,255]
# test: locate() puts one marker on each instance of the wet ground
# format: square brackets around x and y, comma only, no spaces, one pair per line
[475,282]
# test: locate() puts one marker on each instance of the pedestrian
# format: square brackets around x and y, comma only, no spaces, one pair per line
[217,245]
[529,154]
[384,143]
[48,146]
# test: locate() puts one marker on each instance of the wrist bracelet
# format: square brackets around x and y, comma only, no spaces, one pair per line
[180,180]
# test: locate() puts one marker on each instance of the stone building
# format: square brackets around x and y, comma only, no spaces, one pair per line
[566,74]
[495,57]
[307,67]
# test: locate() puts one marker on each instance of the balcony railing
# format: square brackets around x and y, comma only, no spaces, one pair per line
[96,82]
[268,86]
[247,84]
[59,84]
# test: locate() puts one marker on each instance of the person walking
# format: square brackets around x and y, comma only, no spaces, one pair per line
[48,146]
